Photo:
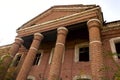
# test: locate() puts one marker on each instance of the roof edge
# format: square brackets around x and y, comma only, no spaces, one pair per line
[57,6]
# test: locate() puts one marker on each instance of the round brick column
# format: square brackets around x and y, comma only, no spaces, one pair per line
[12,52]
[28,62]
[95,47]
[55,68]
[15,47]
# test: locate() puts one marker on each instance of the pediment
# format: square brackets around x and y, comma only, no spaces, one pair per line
[57,12]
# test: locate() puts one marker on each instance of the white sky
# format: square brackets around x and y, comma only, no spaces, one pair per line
[14,13]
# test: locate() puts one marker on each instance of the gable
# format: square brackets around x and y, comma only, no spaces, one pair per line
[57,12]
[53,15]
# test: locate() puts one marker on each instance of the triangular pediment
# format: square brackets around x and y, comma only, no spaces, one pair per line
[57,12]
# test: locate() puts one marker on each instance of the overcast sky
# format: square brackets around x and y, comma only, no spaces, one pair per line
[14,13]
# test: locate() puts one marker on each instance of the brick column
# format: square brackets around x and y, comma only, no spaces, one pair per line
[17,69]
[95,47]
[15,47]
[55,68]
[12,52]
[28,62]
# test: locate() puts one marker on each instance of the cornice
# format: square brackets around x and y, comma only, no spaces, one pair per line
[5,46]
[111,26]
[64,21]
[70,8]
[42,15]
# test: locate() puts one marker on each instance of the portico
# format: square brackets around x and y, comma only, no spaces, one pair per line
[63,33]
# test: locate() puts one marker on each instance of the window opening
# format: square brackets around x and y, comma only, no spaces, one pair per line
[51,55]
[37,58]
[117,45]
[84,54]
[17,60]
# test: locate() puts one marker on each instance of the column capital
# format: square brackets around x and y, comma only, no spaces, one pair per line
[20,39]
[94,23]
[38,36]
[62,30]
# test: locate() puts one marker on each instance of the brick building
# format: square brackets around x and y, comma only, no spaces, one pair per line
[67,42]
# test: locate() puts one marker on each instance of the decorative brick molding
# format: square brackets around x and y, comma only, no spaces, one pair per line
[94,23]
[62,28]
[112,45]
[31,77]
[111,26]
[18,38]
[33,48]
[82,77]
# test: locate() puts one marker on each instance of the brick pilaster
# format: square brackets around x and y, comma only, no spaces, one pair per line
[27,64]
[55,68]
[12,52]
[95,46]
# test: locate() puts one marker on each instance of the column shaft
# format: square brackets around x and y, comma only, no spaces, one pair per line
[12,52]
[95,49]
[55,68]
[28,62]
[17,69]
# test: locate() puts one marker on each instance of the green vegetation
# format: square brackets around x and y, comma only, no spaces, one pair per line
[106,68]
[3,56]
[114,68]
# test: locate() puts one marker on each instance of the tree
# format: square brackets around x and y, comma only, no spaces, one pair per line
[11,70]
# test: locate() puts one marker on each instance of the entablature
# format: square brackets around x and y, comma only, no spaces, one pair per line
[63,21]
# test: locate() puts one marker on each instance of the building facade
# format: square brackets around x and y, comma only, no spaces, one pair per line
[67,42]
